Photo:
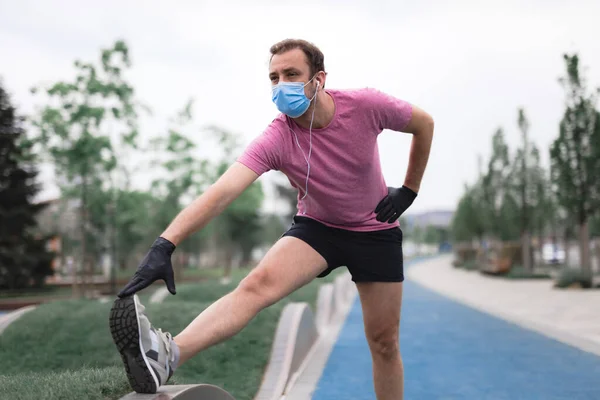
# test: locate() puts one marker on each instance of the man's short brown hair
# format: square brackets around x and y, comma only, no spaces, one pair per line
[314,56]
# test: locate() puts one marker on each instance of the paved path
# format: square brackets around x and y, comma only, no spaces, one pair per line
[453,351]
[570,315]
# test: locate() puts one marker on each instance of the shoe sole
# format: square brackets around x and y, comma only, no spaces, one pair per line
[125,331]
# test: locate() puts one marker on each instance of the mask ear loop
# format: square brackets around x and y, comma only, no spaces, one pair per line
[307,159]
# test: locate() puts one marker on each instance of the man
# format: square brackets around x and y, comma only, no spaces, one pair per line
[325,142]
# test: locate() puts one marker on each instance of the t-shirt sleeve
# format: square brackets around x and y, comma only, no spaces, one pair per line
[264,152]
[388,112]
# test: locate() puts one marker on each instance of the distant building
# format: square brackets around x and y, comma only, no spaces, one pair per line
[59,218]
[438,218]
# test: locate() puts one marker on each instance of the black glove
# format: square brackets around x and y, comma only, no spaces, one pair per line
[155,265]
[394,204]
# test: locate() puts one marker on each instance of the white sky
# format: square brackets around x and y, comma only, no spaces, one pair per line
[468,63]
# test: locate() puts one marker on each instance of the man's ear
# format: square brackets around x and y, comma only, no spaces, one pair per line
[321,79]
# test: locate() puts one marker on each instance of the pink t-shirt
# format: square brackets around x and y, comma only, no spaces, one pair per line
[345,182]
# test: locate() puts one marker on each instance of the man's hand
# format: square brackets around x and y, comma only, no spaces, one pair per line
[155,265]
[394,204]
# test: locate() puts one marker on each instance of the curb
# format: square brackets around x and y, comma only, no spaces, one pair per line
[303,342]
[295,336]
[9,318]
[325,307]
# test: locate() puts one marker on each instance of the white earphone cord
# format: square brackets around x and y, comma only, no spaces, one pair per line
[307,159]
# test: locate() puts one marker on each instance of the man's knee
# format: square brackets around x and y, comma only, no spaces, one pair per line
[259,288]
[384,343]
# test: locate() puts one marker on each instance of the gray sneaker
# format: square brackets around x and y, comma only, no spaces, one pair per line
[145,351]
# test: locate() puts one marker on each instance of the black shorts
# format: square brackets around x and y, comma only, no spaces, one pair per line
[369,256]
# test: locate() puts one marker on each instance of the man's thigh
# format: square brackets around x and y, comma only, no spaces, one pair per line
[381,304]
[287,266]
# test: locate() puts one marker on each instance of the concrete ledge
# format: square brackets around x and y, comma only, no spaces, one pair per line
[325,307]
[303,342]
[9,318]
[295,335]
[303,383]
[183,392]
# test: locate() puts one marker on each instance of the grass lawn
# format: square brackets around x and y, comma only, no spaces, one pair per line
[64,349]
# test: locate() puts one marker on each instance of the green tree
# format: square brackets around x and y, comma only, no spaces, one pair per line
[524,189]
[24,260]
[530,188]
[575,155]
[433,235]
[468,222]
[79,128]
[181,177]
[290,196]
[238,228]
[494,186]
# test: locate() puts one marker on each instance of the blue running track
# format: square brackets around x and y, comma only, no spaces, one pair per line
[451,351]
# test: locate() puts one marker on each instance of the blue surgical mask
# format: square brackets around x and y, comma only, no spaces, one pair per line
[290,99]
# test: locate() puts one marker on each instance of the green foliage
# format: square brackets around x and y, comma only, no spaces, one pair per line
[469,222]
[511,196]
[518,272]
[24,260]
[469,265]
[435,235]
[181,175]
[494,185]
[570,276]
[237,226]
[575,154]
[531,184]
[290,196]
[86,127]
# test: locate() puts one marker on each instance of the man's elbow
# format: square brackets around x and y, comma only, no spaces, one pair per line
[428,123]
[421,123]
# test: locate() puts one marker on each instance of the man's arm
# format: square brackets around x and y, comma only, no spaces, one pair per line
[421,126]
[211,203]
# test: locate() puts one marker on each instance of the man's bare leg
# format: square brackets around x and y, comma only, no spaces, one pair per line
[289,265]
[381,303]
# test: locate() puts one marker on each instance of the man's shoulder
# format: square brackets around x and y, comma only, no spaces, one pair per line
[349,92]
[276,126]
[274,131]
[360,95]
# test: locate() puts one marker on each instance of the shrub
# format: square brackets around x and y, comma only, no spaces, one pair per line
[471,265]
[571,276]
[518,272]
